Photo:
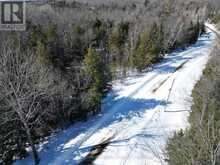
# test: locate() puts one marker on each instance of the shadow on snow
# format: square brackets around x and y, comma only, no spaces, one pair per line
[127,108]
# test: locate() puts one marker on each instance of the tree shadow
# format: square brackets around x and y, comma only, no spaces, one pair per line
[167,65]
[95,151]
[128,108]
[115,111]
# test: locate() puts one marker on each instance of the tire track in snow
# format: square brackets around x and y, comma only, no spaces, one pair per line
[103,120]
[159,113]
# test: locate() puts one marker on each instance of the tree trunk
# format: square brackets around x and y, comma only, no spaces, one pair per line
[33,148]
[29,137]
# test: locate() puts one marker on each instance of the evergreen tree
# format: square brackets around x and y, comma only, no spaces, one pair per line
[117,47]
[117,40]
[149,48]
[96,74]
[142,58]
[156,45]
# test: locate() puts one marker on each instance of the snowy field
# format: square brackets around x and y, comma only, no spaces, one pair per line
[137,116]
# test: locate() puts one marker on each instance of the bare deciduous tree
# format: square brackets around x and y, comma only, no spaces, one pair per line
[20,91]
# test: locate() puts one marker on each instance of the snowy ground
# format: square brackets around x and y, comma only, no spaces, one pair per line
[138,115]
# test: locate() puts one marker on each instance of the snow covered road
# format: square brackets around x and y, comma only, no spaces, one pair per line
[137,116]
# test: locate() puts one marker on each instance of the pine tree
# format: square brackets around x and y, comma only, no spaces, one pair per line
[149,48]
[117,40]
[142,58]
[156,47]
[95,71]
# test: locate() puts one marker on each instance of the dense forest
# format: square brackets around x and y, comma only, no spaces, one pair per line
[57,71]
